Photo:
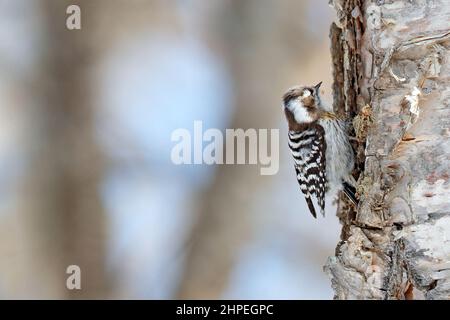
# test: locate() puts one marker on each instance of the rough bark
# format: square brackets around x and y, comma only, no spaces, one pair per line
[391,71]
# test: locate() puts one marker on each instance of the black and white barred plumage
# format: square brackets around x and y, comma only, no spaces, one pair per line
[308,148]
[323,156]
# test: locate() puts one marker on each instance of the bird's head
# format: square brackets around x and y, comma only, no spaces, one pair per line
[302,103]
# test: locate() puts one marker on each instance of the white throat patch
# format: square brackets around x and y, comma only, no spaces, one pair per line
[300,113]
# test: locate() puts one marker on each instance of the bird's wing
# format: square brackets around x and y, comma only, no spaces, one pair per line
[308,148]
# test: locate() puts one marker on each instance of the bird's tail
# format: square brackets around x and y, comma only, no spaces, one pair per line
[310,205]
[350,192]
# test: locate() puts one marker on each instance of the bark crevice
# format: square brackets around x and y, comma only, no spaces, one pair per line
[390,74]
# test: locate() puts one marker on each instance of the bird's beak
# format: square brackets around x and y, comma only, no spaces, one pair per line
[317,86]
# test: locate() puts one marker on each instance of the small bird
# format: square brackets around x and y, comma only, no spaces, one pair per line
[323,155]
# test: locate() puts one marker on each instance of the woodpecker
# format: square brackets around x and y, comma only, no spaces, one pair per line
[319,143]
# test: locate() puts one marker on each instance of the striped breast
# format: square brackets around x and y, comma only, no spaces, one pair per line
[308,148]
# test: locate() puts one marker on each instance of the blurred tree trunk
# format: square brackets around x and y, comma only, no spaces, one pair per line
[391,71]
[224,227]
[66,220]
[221,229]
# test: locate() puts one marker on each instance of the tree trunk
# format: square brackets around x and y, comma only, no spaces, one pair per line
[63,210]
[224,227]
[391,75]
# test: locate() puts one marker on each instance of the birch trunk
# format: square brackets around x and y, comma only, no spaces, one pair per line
[392,75]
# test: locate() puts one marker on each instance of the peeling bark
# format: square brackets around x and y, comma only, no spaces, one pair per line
[392,76]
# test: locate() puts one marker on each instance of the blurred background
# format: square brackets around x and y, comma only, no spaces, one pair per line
[85,142]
